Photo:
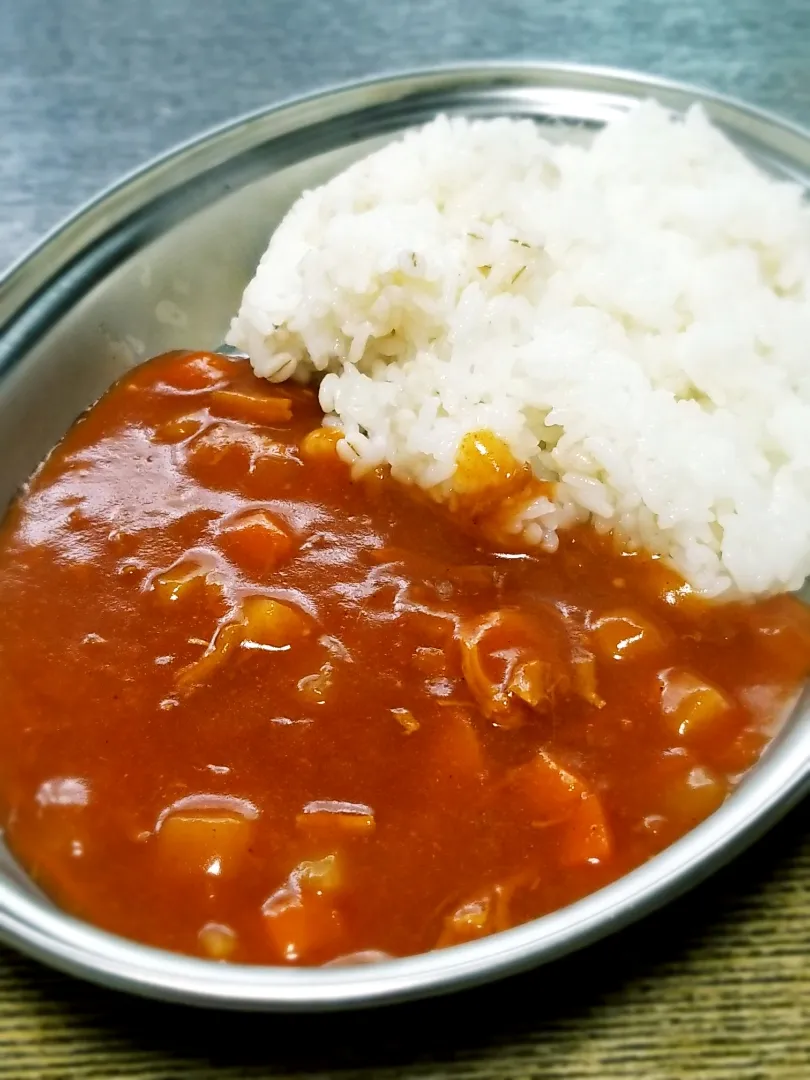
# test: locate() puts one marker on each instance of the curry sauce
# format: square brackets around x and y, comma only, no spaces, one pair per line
[255,709]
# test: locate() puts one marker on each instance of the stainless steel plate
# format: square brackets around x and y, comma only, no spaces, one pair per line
[159,262]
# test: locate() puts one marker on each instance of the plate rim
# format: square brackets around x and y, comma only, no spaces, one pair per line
[41,930]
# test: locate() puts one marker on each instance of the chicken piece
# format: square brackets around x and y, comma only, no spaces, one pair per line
[260,623]
[513,661]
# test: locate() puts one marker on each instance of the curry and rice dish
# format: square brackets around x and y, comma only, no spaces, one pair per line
[464,592]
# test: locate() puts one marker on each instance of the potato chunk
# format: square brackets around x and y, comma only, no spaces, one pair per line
[184,578]
[321,444]
[484,465]
[271,622]
[300,926]
[695,795]
[626,636]
[206,836]
[690,704]
[330,817]
[324,875]
[664,584]
[487,913]
[783,629]
[217,940]
[300,917]
[486,474]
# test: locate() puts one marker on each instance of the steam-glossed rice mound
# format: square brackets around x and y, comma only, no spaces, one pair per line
[631,319]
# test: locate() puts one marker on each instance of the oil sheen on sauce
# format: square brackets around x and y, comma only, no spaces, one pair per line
[256,710]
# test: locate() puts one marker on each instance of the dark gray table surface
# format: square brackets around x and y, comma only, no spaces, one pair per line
[91,88]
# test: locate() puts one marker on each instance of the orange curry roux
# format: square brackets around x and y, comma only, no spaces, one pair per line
[255,710]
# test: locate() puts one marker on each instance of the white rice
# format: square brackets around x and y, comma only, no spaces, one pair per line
[631,317]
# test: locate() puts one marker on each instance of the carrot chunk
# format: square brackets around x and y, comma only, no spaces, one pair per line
[252,406]
[255,541]
[225,446]
[560,798]
[549,789]
[197,371]
[586,836]
[458,751]
[178,429]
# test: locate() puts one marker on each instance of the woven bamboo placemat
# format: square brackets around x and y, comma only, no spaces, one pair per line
[717,986]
